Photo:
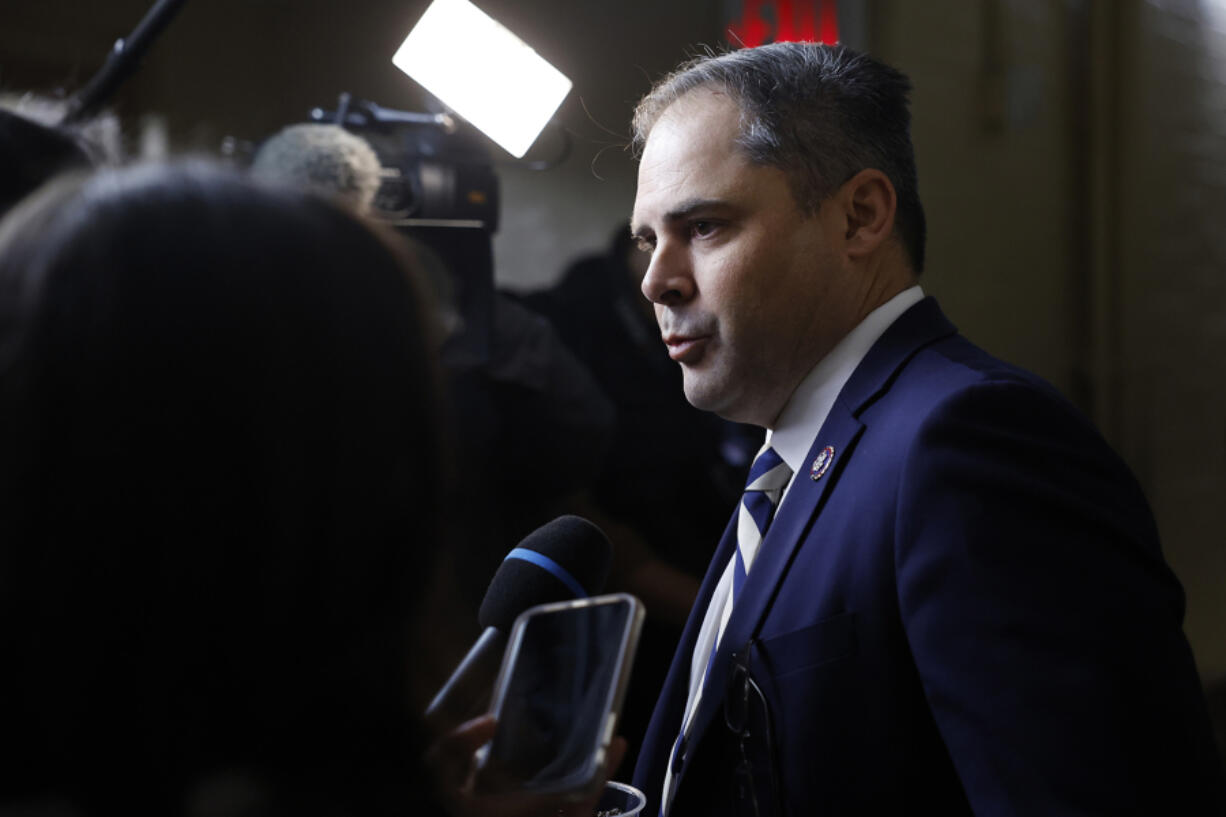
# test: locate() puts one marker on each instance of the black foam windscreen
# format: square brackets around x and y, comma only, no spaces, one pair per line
[574,543]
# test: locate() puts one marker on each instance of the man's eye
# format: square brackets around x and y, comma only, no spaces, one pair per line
[645,245]
[702,229]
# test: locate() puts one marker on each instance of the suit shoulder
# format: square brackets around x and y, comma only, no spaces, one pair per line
[942,374]
[953,393]
[954,362]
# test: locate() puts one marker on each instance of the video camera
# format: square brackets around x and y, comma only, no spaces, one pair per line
[436,171]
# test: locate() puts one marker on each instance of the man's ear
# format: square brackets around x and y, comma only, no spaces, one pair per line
[869,204]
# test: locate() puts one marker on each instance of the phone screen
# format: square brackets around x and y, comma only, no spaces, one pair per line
[560,687]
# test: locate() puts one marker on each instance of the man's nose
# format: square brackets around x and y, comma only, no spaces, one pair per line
[669,279]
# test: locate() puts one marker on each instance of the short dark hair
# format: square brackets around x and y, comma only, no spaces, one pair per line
[820,113]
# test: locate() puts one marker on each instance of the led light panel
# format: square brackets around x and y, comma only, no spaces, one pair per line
[483,72]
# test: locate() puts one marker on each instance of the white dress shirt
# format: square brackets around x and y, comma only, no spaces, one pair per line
[792,436]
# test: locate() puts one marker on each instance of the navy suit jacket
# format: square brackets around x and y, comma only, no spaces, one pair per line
[966,612]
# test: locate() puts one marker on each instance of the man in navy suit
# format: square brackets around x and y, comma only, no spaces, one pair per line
[959,605]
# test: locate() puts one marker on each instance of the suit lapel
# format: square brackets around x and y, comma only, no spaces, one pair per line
[788,530]
[918,327]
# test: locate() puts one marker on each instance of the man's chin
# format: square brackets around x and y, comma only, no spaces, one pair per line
[704,395]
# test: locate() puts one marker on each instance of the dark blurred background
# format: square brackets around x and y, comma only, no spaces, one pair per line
[1072,159]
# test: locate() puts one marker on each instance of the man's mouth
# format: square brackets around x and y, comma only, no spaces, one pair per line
[686,348]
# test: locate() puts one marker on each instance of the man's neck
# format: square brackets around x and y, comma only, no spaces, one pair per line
[887,276]
[811,400]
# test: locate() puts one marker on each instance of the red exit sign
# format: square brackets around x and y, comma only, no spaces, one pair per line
[757,22]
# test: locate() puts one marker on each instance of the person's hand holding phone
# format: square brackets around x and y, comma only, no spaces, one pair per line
[452,758]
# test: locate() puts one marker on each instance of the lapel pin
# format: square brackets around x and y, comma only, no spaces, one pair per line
[821,463]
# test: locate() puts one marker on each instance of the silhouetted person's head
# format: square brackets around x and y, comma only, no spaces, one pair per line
[217,480]
[30,154]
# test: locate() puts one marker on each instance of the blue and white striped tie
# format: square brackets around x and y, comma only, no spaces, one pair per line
[768,476]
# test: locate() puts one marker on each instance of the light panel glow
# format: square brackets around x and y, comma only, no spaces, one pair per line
[483,72]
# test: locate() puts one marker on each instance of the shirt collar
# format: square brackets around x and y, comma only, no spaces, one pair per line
[809,405]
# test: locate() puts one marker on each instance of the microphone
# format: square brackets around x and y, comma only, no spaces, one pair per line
[323,159]
[563,559]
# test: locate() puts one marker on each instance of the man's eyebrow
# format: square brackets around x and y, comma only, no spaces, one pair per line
[688,207]
[682,211]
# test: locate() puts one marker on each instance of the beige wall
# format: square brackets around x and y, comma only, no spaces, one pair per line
[1073,165]
[1172,285]
[991,129]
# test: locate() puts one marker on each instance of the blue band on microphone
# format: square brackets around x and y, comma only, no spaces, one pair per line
[559,572]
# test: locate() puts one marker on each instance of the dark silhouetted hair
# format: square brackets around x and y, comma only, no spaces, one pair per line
[820,113]
[218,473]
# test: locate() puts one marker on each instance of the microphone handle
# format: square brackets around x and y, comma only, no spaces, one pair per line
[123,59]
[467,692]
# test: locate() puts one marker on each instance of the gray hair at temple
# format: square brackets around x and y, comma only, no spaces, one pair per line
[323,159]
[820,113]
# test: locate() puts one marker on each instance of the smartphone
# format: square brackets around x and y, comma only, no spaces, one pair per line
[558,695]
